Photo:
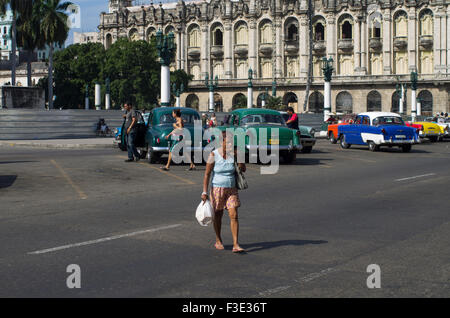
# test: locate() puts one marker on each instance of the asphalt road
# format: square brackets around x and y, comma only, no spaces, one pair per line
[311,230]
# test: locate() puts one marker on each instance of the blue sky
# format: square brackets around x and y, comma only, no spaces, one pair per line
[90,13]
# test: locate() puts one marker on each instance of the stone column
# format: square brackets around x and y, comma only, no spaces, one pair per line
[98,96]
[331,41]
[165,85]
[86,98]
[179,49]
[364,47]
[387,38]
[357,37]
[412,42]
[413,105]
[437,58]
[250,90]
[327,100]
[253,47]
[108,94]
[447,29]
[204,52]
[303,46]
[279,50]
[228,48]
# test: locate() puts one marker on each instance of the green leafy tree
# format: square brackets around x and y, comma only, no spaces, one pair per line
[134,71]
[74,68]
[54,29]
[275,102]
[179,77]
[240,102]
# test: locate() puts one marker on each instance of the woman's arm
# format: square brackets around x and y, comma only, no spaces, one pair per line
[207,177]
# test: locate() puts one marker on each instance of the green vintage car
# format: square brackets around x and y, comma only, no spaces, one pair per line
[307,135]
[152,143]
[289,139]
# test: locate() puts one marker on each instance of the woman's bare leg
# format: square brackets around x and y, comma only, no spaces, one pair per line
[169,160]
[218,226]
[234,227]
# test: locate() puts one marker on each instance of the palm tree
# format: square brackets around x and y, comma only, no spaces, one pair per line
[28,34]
[17,7]
[54,29]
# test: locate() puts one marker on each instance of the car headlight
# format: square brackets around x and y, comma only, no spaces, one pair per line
[312,132]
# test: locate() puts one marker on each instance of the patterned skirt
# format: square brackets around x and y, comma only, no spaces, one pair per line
[224,198]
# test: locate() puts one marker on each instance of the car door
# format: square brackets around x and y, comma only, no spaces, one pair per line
[141,129]
[351,136]
[362,127]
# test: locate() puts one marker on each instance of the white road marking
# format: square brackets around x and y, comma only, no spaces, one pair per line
[305,279]
[415,177]
[105,239]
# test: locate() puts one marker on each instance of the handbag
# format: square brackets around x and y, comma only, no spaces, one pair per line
[241,182]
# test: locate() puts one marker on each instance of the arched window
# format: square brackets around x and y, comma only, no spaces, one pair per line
[192,101]
[195,71]
[218,103]
[218,70]
[239,101]
[108,41]
[344,103]
[241,33]
[265,32]
[290,99]
[375,25]
[292,30]
[319,32]
[374,102]
[134,35]
[401,24]
[426,22]
[194,36]
[151,32]
[426,103]
[217,35]
[316,102]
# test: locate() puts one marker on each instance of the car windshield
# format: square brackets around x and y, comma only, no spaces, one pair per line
[256,119]
[188,118]
[388,120]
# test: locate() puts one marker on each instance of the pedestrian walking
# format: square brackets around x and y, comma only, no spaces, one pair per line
[175,137]
[130,129]
[220,169]
[213,121]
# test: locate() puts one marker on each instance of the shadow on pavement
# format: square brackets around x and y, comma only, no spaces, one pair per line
[310,161]
[7,181]
[9,162]
[268,245]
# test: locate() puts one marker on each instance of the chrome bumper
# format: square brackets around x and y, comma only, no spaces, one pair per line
[296,148]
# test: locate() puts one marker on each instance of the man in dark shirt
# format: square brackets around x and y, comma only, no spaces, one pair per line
[292,122]
[130,129]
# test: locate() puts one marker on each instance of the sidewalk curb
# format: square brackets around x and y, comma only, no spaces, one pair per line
[6,144]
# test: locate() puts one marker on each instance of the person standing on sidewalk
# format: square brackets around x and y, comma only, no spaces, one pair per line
[130,128]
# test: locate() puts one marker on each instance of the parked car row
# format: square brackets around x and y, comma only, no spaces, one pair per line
[373,129]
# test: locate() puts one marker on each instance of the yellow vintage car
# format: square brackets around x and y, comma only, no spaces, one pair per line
[432,131]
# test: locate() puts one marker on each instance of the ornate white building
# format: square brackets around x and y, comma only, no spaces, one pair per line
[375,44]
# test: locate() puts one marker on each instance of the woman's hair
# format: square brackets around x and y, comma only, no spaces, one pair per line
[290,109]
[177,112]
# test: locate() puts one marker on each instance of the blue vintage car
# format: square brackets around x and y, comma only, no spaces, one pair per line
[377,129]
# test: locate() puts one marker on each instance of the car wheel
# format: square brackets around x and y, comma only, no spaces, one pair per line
[152,157]
[289,157]
[406,148]
[333,139]
[373,147]
[307,149]
[343,143]
[142,153]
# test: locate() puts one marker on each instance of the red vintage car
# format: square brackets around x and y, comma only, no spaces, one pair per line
[332,132]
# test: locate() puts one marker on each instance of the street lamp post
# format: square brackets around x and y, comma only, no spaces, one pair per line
[86,98]
[327,67]
[264,96]
[401,92]
[419,106]
[177,91]
[250,89]
[108,94]
[211,85]
[166,51]
[413,96]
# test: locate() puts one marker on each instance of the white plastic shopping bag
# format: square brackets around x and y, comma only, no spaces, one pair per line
[204,213]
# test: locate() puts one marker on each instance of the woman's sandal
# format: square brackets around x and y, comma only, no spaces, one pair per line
[219,246]
[164,168]
[238,250]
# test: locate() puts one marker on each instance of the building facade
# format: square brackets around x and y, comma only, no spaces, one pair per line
[86,37]
[375,45]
